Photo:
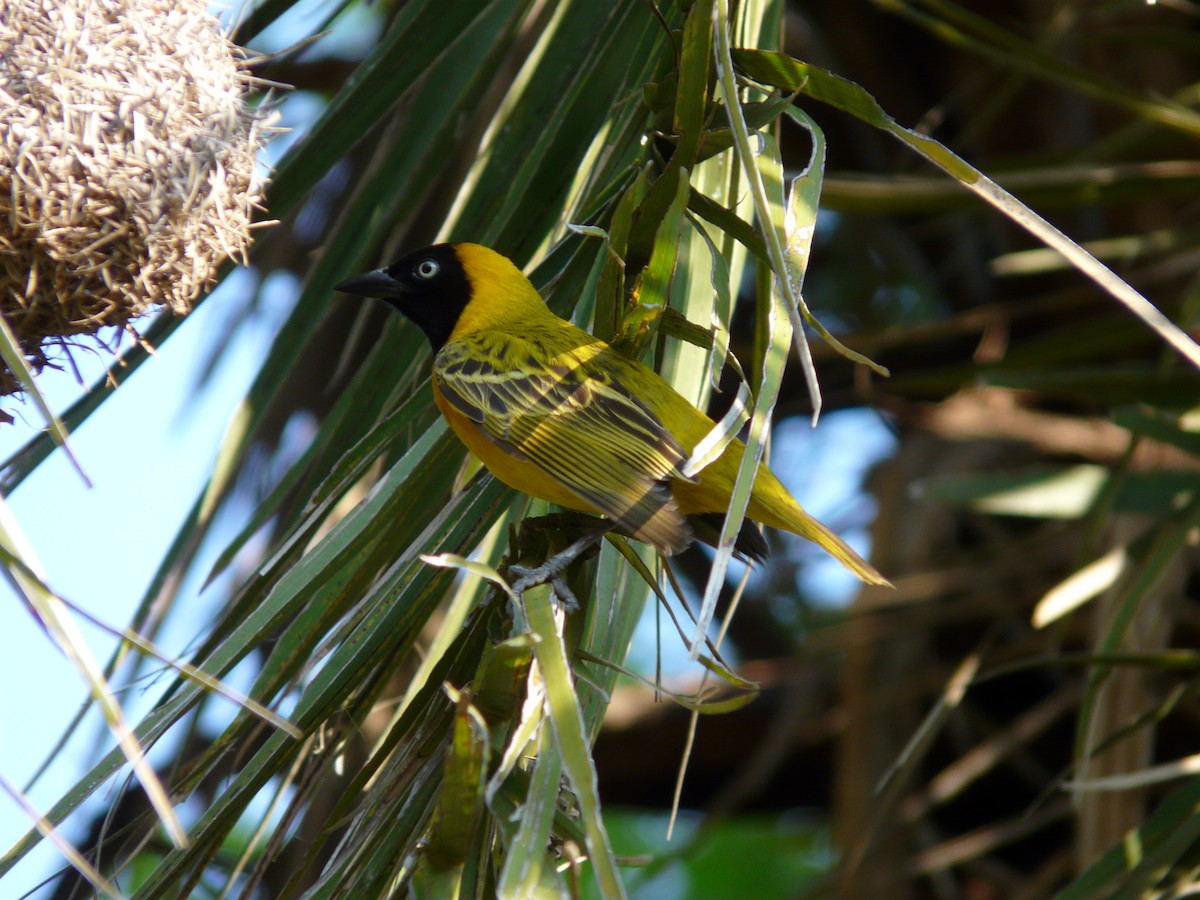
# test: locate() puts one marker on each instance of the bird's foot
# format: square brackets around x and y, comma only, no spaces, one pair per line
[532,577]
[552,571]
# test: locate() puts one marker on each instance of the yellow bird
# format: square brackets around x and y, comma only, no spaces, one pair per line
[558,414]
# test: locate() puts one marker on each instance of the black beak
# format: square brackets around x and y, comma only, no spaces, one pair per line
[376,283]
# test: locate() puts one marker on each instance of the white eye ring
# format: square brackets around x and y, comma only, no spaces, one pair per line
[427,268]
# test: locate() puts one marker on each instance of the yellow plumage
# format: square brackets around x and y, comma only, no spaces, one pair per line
[558,414]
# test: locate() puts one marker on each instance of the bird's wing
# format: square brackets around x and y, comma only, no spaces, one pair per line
[576,424]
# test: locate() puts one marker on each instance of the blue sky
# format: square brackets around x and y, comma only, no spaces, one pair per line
[147,452]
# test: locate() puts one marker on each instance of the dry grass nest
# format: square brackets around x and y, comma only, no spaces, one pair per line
[128,169]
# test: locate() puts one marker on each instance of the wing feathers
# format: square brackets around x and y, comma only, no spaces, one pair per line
[588,434]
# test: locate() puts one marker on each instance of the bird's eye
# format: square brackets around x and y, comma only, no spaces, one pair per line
[427,268]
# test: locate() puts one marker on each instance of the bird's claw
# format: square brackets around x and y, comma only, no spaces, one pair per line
[546,573]
[551,571]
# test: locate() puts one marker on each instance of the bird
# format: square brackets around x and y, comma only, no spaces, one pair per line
[560,415]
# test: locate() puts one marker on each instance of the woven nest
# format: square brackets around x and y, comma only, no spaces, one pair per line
[127,164]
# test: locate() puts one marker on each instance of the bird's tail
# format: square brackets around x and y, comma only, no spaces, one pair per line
[794,519]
